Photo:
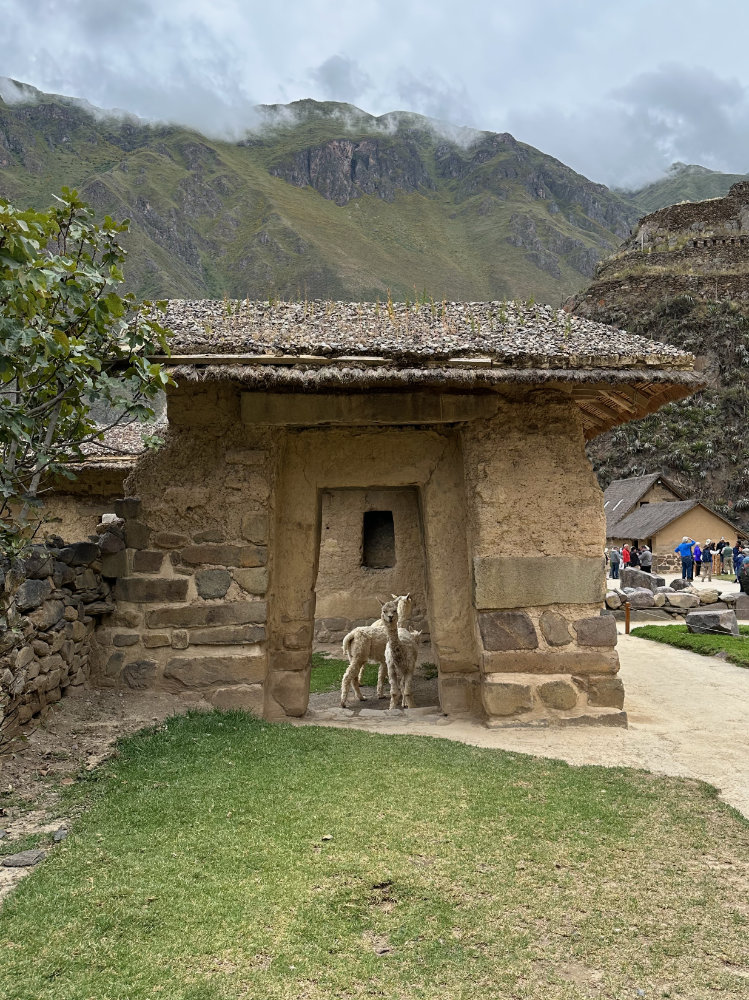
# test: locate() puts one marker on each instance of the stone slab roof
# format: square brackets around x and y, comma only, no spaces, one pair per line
[512,333]
[621,495]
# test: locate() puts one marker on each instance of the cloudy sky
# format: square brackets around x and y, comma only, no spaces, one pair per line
[618,90]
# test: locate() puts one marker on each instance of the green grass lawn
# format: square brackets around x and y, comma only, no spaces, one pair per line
[736,648]
[224,857]
[327,673]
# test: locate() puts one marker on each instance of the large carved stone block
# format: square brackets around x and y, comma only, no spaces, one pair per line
[511,582]
[506,698]
[501,630]
[197,615]
[599,631]
[192,672]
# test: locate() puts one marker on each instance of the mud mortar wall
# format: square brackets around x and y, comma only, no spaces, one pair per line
[216,587]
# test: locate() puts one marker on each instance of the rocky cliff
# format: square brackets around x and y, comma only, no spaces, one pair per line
[683,278]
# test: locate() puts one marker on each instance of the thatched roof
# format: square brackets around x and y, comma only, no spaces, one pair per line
[621,495]
[451,346]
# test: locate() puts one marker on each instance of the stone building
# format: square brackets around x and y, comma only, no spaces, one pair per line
[445,442]
[652,510]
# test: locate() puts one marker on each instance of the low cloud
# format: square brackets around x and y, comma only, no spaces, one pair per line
[340,79]
[675,113]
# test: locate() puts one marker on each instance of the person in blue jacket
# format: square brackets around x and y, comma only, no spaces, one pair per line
[685,549]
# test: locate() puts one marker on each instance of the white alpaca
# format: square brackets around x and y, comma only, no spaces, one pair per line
[400,657]
[367,644]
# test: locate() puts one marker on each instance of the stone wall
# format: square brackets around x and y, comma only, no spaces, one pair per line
[53,600]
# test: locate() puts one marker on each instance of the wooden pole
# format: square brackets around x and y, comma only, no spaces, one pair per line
[626,617]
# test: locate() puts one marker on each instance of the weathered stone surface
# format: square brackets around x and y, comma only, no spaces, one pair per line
[115,565]
[24,657]
[659,600]
[709,596]
[613,600]
[180,638]
[638,578]
[110,542]
[502,630]
[683,600]
[460,693]
[137,535]
[128,507]
[712,623]
[213,671]
[31,594]
[154,640]
[254,528]
[139,674]
[79,554]
[505,698]
[48,614]
[606,692]
[144,590]
[39,564]
[212,583]
[113,666]
[601,717]
[170,539]
[558,694]
[665,590]
[252,580]
[227,635]
[600,631]
[209,535]
[288,693]
[125,638]
[563,661]
[147,561]
[245,697]
[225,555]
[680,584]
[24,859]
[640,599]
[510,582]
[197,615]
[555,628]
[742,607]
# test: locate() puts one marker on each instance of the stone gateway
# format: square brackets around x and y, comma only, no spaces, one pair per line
[327,453]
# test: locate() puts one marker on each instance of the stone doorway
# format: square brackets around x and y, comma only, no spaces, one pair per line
[423,465]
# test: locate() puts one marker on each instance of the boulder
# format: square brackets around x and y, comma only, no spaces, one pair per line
[613,600]
[639,599]
[32,594]
[681,584]
[683,601]
[665,590]
[709,596]
[712,623]
[503,630]
[659,600]
[638,578]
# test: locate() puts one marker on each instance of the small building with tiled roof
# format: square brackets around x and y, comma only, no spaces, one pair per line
[623,496]
[322,454]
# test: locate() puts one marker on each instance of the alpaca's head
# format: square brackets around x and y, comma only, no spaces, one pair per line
[390,612]
[404,603]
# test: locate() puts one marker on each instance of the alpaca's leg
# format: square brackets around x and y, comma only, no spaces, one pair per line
[345,685]
[357,669]
[381,675]
[395,691]
[408,684]
[349,679]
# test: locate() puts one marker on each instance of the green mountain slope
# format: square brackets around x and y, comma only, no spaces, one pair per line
[683,182]
[323,200]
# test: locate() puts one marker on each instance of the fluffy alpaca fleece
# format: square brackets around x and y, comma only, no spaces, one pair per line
[366,644]
[400,657]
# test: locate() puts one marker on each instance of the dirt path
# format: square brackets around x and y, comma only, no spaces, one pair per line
[688,716]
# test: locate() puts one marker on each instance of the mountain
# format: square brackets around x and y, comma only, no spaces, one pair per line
[683,182]
[318,200]
[683,278]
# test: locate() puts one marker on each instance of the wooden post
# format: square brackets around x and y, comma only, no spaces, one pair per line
[626,617]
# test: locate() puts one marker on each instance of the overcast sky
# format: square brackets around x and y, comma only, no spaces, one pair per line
[618,90]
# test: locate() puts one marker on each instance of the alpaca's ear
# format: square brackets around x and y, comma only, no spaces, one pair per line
[381,603]
[408,597]
[394,596]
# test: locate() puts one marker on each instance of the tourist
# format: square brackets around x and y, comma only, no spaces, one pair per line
[726,562]
[646,559]
[736,551]
[614,560]
[634,558]
[707,559]
[625,555]
[697,559]
[738,560]
[719,548]
[684,549]
[744,573]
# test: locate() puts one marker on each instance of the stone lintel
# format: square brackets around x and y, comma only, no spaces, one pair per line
[375,408]
[523,661]
[518,582]
[187,672]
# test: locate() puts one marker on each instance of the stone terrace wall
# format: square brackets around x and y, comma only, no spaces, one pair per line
[53,600]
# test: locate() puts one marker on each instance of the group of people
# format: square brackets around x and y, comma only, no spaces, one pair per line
[712,557]
[629,556]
